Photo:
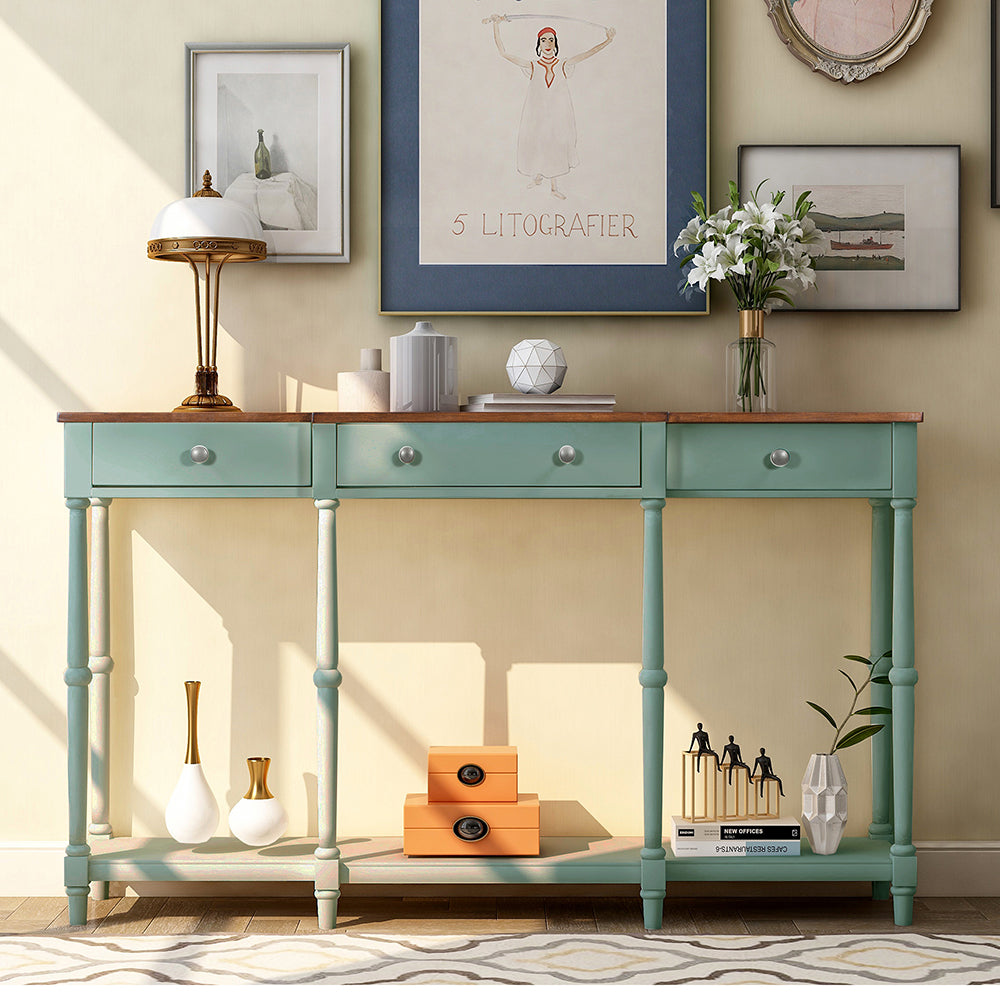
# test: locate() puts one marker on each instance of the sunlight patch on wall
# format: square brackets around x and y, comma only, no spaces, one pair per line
[178,637]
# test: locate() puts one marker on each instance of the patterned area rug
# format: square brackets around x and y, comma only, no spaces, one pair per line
[502,959]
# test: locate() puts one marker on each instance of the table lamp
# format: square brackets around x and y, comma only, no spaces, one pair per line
[206,230]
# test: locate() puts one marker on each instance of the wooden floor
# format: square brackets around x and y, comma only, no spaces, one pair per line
[131,915]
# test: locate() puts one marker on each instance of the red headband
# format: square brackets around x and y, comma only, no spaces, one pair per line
[551,31]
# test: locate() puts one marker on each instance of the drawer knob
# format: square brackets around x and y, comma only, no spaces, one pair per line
[200,454]
[406,454]
[567,454]
[779,458]
[471,828]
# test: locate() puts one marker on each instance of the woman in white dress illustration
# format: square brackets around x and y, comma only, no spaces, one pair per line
[546,137]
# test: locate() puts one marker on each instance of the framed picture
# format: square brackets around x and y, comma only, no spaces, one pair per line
[994,132]
[890,213]
[846,40]
[539,156]
[270,123]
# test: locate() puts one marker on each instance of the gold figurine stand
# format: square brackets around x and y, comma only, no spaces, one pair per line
[699,791]
[760,798]
[735,796]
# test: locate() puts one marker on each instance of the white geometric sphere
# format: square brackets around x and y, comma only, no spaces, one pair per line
[536,366]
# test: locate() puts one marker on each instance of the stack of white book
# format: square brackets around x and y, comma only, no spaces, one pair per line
[556,402]
[736,838]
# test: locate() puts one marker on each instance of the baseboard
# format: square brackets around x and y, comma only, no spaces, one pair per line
[946,868]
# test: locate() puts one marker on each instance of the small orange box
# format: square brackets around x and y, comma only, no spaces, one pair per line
[431,828]
[472,774]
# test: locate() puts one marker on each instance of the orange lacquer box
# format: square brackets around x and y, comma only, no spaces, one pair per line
[472,774]
[470,828]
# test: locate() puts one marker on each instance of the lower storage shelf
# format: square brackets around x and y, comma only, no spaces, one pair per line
[380,860]
[858,859]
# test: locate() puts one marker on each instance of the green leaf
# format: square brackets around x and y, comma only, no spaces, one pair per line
[874,710]
[698,203]
[734,194]
[859,659]
[822,711]
[850,679]
[857,735]
[777,198]
[777,293]
[881,679]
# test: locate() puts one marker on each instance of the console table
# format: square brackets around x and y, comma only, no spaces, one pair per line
[331,457]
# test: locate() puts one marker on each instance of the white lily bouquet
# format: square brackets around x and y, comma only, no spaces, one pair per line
[762,254]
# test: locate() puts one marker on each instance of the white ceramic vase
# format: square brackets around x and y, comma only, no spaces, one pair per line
[423,371]
[192,814]
[824,802]
[258,819]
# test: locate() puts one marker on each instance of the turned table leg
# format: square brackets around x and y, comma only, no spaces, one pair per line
[101,665]
[327,678]
[652,677]
[77,679]
[903,677]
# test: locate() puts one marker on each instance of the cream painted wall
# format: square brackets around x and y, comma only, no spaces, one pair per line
[477,621]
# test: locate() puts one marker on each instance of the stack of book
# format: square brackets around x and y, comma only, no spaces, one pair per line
[556,402]
[736,838]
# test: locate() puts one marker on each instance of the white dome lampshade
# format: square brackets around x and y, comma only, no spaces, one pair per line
[206,230]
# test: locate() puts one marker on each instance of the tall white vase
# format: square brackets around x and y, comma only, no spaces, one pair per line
[192,813]
[824,802]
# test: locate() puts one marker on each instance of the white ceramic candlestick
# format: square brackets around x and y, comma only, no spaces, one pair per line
[367,390]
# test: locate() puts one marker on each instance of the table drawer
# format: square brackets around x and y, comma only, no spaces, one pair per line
[251,454]
[738,457]
[453,454]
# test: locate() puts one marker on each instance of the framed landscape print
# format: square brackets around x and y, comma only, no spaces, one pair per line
[270,123]
[539,156]
[848,40]
[890,214]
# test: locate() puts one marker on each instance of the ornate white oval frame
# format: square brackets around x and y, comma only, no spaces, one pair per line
[841,66]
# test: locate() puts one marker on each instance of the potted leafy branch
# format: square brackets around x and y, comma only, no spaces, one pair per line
[824,787]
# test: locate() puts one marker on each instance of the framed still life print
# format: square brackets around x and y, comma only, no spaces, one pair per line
[270,123]
[849,40]
[538,156]
[890,215]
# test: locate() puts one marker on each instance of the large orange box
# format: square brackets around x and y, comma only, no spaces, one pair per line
[472,774]
[489,828]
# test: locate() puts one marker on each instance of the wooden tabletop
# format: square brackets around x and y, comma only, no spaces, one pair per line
[541,416]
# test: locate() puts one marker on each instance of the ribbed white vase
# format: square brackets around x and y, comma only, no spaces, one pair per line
[824,802]
[423,371]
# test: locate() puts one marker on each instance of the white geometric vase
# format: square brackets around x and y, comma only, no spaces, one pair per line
[536,366]
[258,818]
[824,802]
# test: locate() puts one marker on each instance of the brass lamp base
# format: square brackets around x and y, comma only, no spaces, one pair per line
[207,395]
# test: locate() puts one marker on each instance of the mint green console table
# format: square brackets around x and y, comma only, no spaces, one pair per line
[332,457]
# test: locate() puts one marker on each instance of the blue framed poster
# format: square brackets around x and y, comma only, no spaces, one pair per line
[538,156]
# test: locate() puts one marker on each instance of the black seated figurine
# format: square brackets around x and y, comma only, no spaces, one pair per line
[764,762]
[732,751]
[701,738]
